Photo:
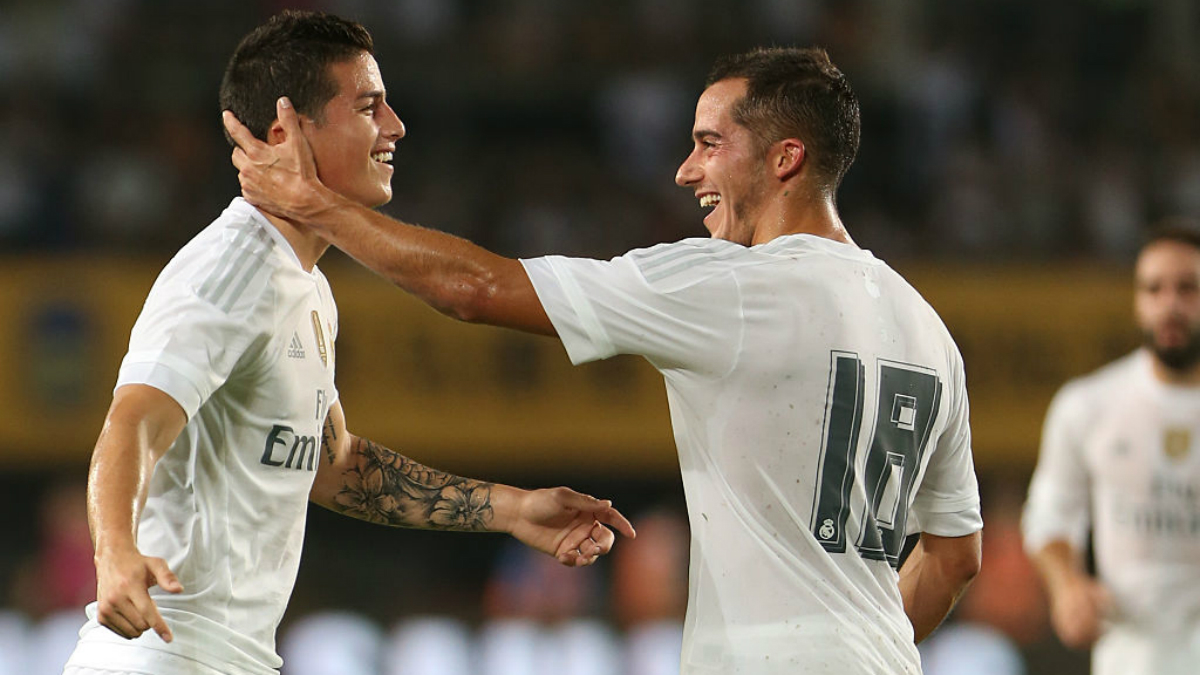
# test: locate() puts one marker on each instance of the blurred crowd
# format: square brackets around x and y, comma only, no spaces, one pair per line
[997,128]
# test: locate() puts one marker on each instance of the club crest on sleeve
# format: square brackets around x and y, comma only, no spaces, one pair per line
[1177,441]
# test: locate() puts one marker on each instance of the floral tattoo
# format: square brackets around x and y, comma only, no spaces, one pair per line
[385,487]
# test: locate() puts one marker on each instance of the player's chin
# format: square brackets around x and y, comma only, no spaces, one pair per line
[383,197]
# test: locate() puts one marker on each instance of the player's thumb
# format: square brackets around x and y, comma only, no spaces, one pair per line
[163,576]
[287,115]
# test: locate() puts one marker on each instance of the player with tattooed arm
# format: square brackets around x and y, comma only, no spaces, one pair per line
[818,402]
[226,421]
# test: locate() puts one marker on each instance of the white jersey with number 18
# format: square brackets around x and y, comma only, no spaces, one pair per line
[820,413]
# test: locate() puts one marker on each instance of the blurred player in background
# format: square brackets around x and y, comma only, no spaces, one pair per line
[1120,458]
[226,421]
[818,402]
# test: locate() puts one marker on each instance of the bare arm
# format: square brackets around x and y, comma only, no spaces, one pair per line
[935,576]
[141,425]
[1078,602]
[365,480]
[450,274]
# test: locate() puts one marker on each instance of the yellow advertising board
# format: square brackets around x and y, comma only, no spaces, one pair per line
[475,398]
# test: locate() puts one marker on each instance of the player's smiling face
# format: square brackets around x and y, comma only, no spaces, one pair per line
[353,142]
[726,169]
[1167,302]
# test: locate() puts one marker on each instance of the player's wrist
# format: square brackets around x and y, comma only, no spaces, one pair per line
[322,208]
[113,549]
[506,508]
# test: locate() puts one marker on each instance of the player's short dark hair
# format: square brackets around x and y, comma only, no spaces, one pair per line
[289,55]
[1178,230]
[797,93]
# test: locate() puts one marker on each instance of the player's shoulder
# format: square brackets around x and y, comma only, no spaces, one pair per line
[228,264]
[699,258]
[1114,377]
[664,260]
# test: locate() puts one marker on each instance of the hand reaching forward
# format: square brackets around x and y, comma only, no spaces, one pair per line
[568,525]
[123,581]
[278,177]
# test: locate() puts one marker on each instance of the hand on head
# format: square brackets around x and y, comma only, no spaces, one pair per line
[280,178]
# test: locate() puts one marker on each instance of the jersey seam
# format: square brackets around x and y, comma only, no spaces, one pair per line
[741,337]
[578,301]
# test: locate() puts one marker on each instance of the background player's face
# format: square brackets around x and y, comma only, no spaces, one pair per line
[726,168]
[1167,302]
[353,143]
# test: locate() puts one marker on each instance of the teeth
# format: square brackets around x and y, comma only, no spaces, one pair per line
[382,156]
[710,200]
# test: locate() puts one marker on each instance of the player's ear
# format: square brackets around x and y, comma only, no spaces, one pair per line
[276,133]
[788,158]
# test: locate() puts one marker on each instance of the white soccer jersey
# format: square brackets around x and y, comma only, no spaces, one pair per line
[820,413]
[242,338]
[1121,456]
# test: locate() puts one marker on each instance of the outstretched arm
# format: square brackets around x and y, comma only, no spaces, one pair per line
[365,480]
[1078,602]
[935,576]
[450,274]
[141,425]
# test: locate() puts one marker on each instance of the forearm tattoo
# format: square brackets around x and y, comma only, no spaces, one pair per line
[382,486]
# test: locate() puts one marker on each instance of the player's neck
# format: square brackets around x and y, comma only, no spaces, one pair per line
[306,244]
[794,214]
[1179,378]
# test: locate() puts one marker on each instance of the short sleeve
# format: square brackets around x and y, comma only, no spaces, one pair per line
[186,346]
[947,502]
[604,308]
[1059,492]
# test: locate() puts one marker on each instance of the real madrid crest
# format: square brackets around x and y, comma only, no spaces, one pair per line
[319,334]
[1177,441]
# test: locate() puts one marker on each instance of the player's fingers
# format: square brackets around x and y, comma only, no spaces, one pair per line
[118,624]
[161,627]
[240,159]
[237,131]
[163,576]
[615,519]
[601,540]
[149,617]
[146,616]
[138,613]
[574,543]
[601,509]
[287,116]
[121,617]
[577,558]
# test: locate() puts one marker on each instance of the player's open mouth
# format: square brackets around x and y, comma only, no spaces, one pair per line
[710,200]
[381,156]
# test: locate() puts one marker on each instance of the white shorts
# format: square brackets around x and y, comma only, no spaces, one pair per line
[198,669]
[155,662]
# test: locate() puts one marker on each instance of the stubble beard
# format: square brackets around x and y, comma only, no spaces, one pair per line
[1181,359]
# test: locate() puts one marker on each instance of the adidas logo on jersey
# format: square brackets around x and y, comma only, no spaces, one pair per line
[295,349]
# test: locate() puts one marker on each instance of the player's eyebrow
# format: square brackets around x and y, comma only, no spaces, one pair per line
[377,94]
[705,134]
